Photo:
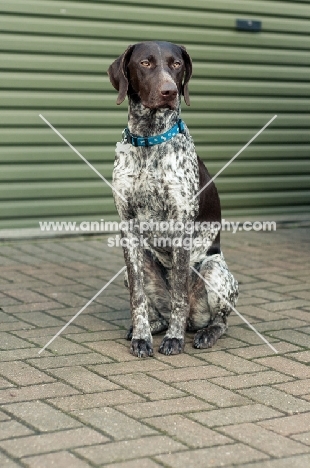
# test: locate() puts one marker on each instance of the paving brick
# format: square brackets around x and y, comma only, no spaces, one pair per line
[14,276]
[5,383]
[239,414]
[44,443]
[188,432]
[146,385]
[91,337]
[6,300]
[188,373]
[60,345]
[114,350]
[212,393]
[213,456]
[278,279]
[304,438]
[180,360]
[41,319]
[15,326]
[137,365]
[84,380]
[244,334]
[290,287]
[68,361]
[158,408]
[114,424]
[9,429]
[35,332]
[258,285]
[66,313]
[280,325]
[6,318]
[297,313]
[289,424]
[292,336]
[302,294]
[251,380]
[251,352]
[8,341]
[266,294]
[276,399]
[7,463]
[299,387]
[26,295]
[41,416]
[126,450]
[52,278]
[91,323]
[17,354]
[3,416]
[143,463]
[287,366]
[247,299]
[35,392]
[96,400]
[22,374]
[298,461]
[232,363]
[19,310]
[258,313]
[294,303]
[59,460]
[268,442]
[303,356]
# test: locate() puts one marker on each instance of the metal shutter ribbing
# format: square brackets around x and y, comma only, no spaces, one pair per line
[54,57]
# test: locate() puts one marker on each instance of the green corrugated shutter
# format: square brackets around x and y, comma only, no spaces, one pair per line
[54,57]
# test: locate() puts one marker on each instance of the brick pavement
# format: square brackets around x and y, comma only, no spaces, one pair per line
[86,402]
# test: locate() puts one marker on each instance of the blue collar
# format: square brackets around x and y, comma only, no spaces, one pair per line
[136,140]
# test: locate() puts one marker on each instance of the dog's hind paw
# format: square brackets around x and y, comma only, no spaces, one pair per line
[207,337]
[141,348]
[171,346]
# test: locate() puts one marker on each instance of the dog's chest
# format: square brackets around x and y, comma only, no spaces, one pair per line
[157,182]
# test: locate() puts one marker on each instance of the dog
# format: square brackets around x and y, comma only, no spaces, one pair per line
[185,285]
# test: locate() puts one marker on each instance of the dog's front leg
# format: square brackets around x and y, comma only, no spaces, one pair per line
[173,342]
[141,343]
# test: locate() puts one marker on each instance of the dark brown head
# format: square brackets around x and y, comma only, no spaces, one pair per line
[155,72]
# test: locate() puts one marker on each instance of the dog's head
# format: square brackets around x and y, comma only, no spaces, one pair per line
[155,72]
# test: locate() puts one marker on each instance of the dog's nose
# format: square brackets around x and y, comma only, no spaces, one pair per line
[169,90]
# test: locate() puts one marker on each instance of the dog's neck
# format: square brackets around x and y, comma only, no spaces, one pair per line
[145,122]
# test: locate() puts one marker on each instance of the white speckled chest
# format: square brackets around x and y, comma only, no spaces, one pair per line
[158,182]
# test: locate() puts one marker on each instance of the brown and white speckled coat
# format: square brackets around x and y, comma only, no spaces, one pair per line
[160,183]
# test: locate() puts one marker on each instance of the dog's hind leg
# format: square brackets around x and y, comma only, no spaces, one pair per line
[211,301]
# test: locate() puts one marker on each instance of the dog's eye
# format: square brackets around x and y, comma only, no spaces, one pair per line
[145,63]
[176,64]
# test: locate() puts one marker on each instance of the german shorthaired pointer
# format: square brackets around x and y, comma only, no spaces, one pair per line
[159,174]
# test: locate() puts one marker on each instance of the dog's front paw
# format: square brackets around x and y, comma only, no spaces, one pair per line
[207,337]
[141,348]
[171,346]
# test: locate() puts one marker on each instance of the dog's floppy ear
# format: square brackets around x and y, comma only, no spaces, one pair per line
[118,74]
[188,74]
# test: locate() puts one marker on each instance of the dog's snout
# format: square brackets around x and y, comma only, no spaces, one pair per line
[169,90]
